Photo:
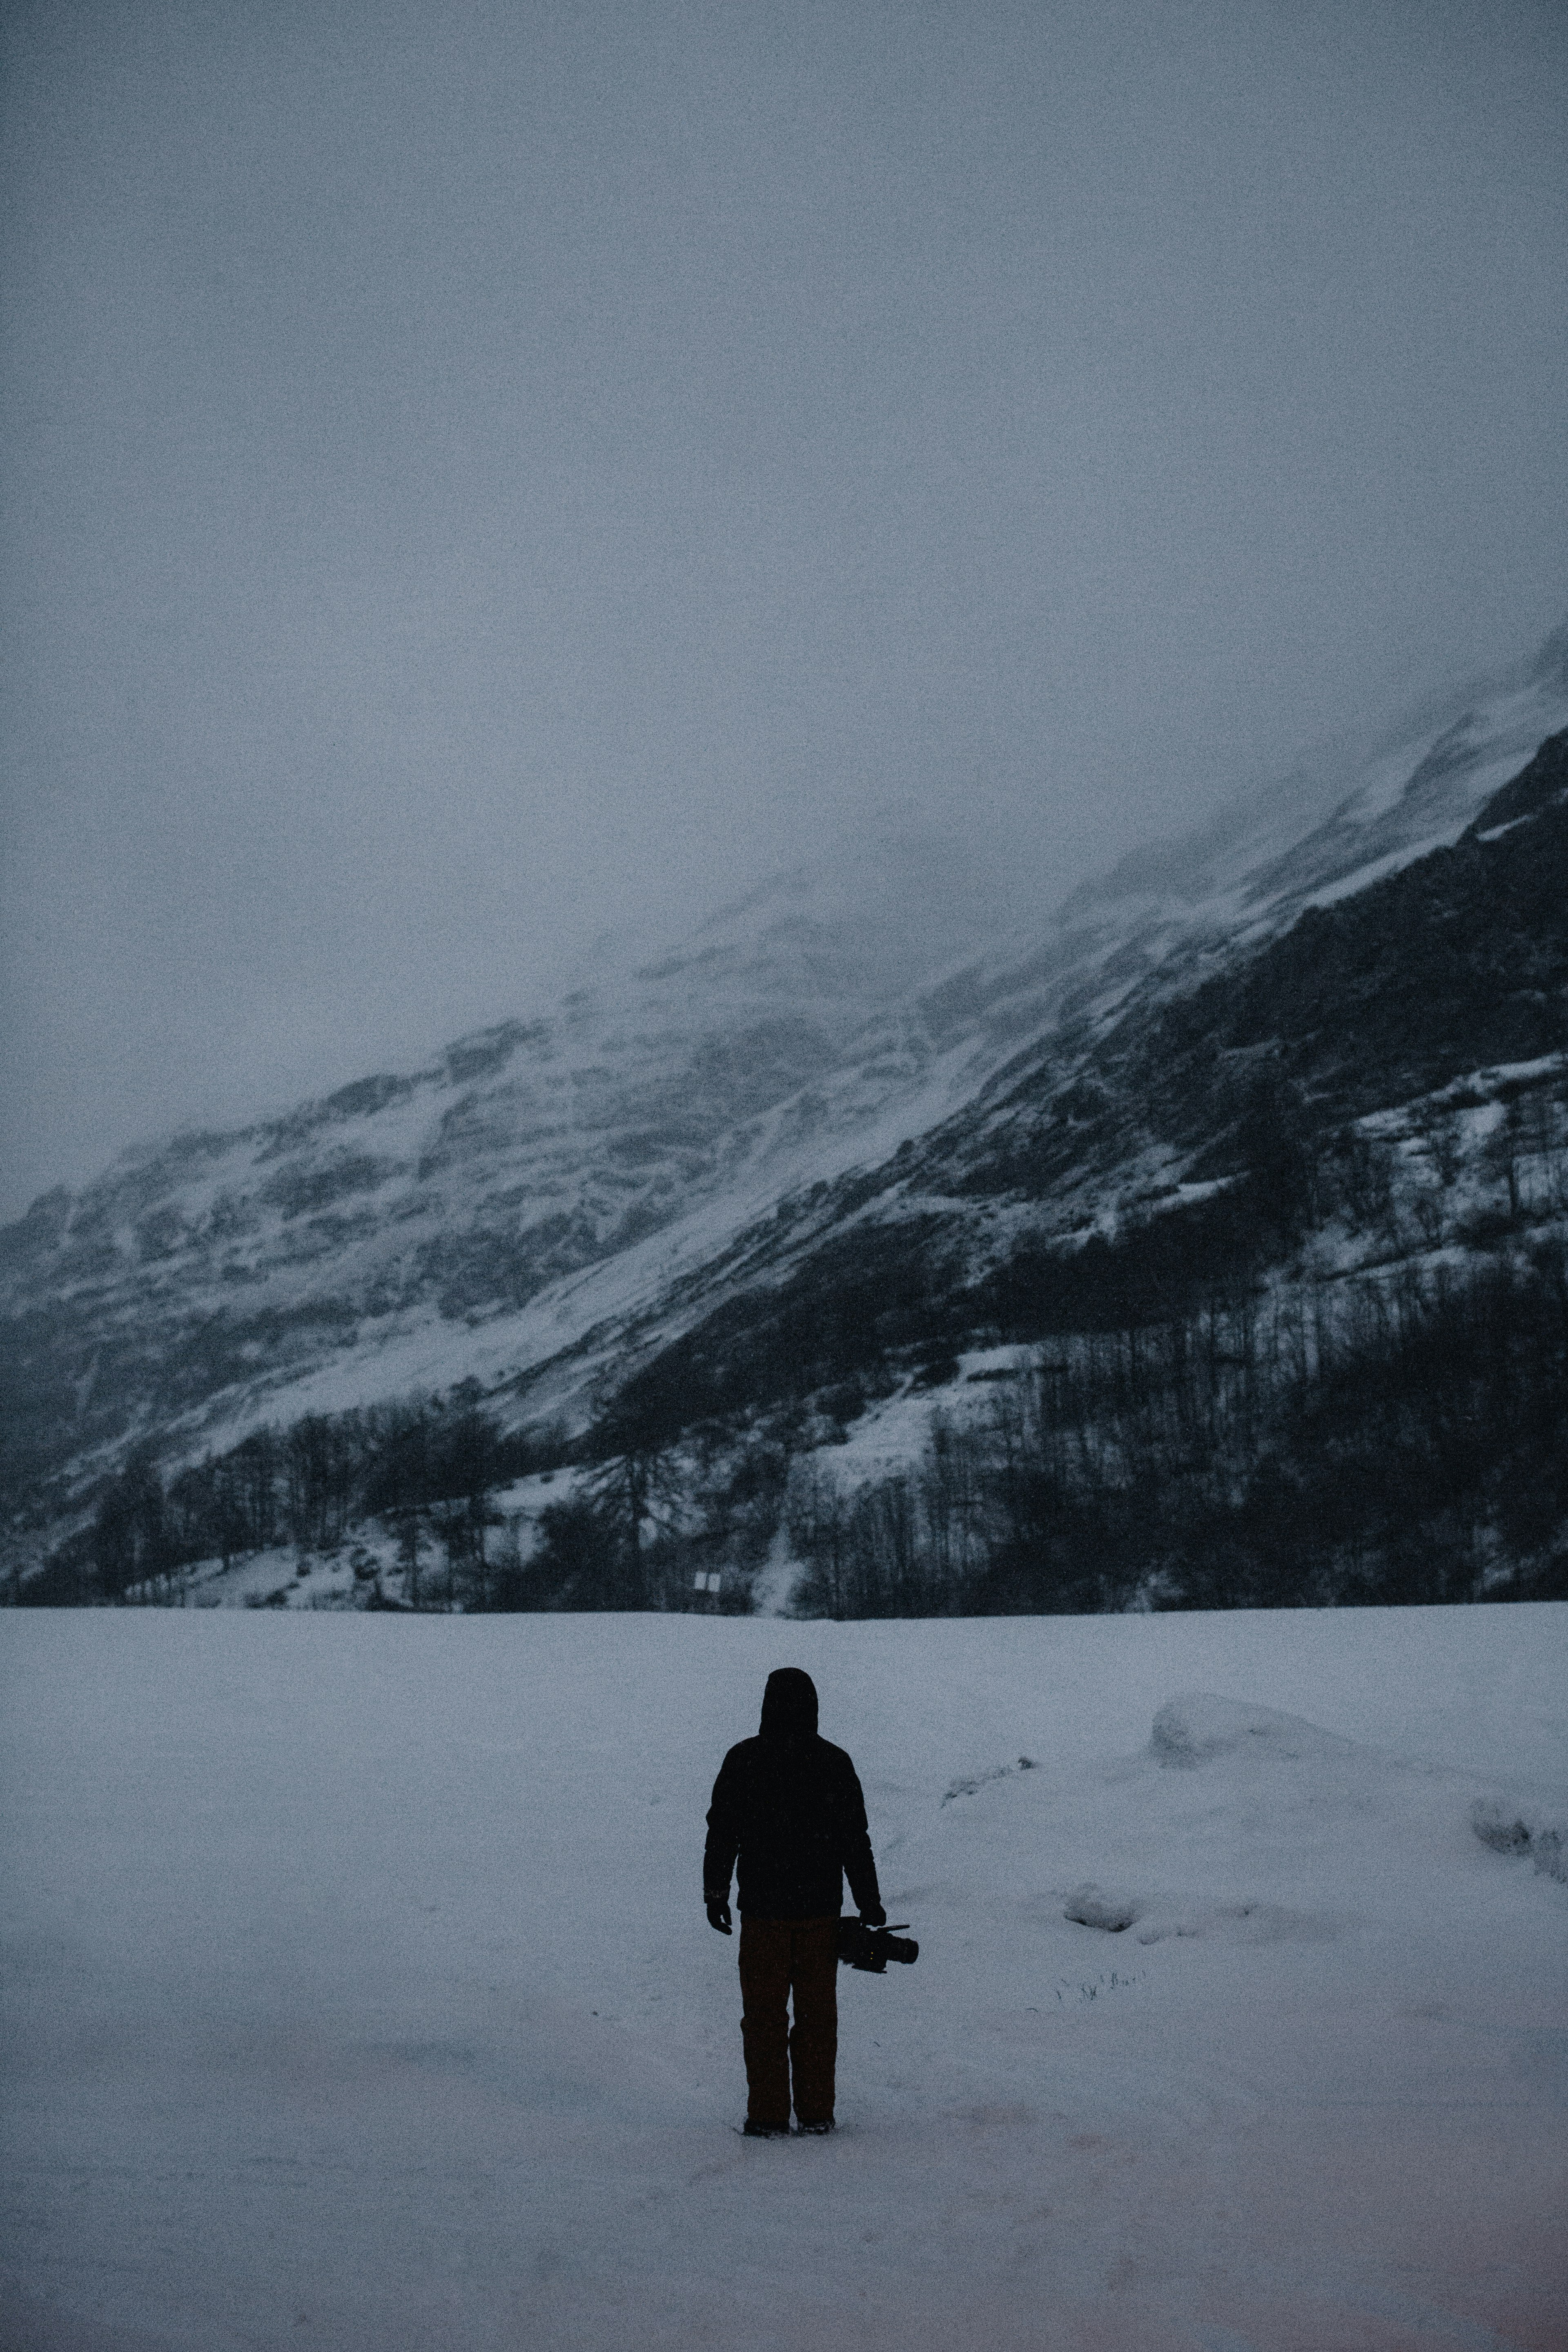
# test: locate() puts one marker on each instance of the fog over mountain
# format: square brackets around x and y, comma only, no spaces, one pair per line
[481,479]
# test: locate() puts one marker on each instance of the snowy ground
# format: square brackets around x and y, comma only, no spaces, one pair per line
[359,1994]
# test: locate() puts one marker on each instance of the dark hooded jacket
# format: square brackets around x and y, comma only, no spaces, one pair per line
[789,1805]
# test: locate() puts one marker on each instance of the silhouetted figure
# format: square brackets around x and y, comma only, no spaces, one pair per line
[789,1806]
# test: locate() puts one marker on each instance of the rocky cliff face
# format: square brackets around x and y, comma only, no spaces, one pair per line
[554,1200]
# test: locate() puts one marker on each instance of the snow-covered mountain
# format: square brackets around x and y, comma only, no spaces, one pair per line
[413,1227]
[555,1199]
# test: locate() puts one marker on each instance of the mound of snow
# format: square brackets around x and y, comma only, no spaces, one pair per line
[1197,1727]
[1092,1906]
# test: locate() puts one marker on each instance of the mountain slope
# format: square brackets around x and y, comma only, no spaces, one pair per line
[403,1214]
[843,1086]
[1194,1135]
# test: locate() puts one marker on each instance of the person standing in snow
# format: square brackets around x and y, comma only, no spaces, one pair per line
[788,1804]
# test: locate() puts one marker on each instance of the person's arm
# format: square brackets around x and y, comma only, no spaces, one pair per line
[722,1846]
[855,1852]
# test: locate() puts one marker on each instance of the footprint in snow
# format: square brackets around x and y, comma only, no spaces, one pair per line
[1159,1920]
[983,1780]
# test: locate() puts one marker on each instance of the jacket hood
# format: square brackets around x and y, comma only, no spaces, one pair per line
[789,1706]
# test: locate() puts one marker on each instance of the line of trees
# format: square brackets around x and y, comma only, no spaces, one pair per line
[1394,1439]
[428,1468]
[647,1519]
[1399,1435]
[642,1520]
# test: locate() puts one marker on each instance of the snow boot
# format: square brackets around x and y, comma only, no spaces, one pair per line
[814,2131]
[749,2130]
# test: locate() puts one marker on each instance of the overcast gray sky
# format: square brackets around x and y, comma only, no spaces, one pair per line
[480,475]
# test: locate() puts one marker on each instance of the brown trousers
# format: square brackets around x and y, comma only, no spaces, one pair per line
[779,1956]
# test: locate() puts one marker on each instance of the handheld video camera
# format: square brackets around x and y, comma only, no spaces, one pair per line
[871,1948]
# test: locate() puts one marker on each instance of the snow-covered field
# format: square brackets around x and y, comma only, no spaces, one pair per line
[359,1994]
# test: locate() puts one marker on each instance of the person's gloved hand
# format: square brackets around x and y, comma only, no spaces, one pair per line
[873,1915]
[718,1913]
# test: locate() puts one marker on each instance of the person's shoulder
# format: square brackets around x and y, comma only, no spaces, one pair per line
[737,1758]
[837,1759]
